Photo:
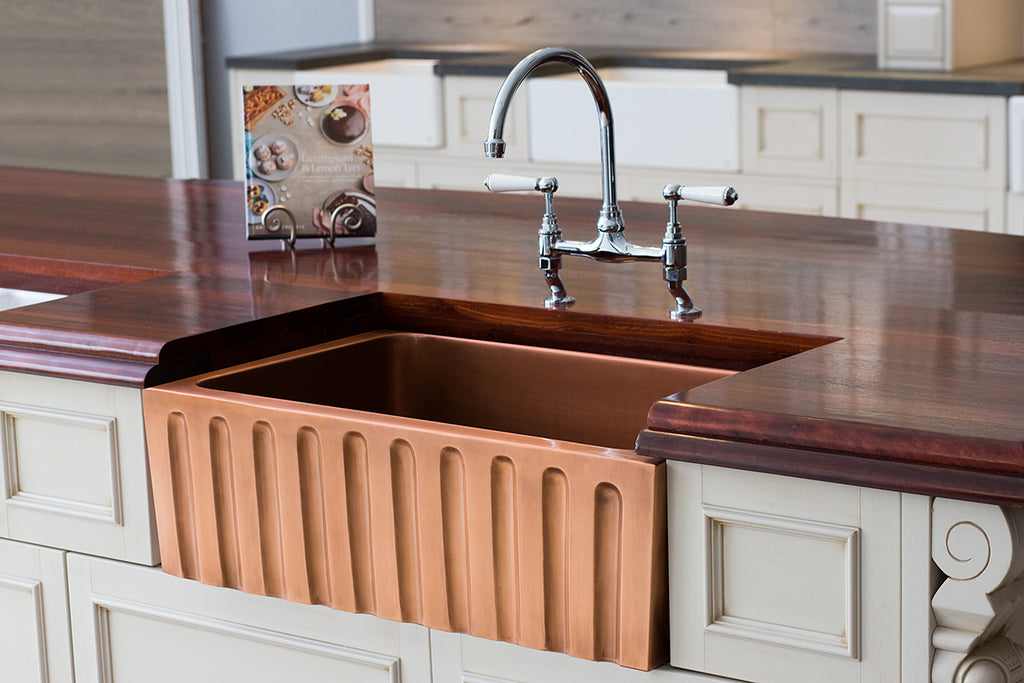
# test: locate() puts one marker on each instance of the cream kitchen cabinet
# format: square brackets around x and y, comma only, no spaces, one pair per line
[790,150]
[903,157]
[810,196]
[792,132]
[924,158]
[133,623]
[953,140]
[968,208]
[35,640]
[467,103]
[458,658]
[750,552]
[942,35]
[1015,214]
[73,467]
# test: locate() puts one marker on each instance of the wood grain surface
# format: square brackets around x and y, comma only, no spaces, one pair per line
[84,86]
[875,343]
[805,25]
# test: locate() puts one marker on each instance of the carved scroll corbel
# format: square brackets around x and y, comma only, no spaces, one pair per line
[980,623]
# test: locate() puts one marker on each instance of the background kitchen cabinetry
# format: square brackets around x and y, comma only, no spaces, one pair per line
[1015,214]
[943,35]
[903,157]
[933,159]
[790,140]
[924,158]
[966,208]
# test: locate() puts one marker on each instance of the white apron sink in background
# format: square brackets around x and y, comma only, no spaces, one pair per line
[664,118]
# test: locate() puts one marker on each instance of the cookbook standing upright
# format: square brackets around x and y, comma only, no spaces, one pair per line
[308,162]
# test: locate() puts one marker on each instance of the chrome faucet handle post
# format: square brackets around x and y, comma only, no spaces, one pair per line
[673,253]
[673,246]
[549,234]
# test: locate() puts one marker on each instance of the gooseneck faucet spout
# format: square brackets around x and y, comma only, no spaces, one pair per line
[610,219]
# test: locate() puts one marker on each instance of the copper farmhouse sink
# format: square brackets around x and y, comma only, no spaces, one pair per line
[474,486]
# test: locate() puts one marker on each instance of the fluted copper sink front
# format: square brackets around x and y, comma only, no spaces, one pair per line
[472,486]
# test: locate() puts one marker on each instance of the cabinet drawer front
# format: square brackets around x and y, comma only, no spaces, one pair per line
[73,467]
[959,140]
[966,209]
[132,623]
[807,196]
[790,131]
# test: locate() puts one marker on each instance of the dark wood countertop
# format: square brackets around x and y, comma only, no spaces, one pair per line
[908,342]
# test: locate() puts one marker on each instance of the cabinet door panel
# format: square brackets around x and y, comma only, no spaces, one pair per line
[777,579]
[790,131]
[35,644]
[132,623]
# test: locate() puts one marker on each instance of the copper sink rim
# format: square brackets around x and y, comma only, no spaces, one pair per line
[197,386]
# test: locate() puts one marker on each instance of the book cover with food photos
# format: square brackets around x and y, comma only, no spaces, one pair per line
[308,161]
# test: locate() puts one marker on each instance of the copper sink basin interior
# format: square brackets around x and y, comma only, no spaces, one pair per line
[566,395]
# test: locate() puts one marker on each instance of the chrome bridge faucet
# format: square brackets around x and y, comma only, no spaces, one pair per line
[611,244]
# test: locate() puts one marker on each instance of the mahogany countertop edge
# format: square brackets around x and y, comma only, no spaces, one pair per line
[919,331]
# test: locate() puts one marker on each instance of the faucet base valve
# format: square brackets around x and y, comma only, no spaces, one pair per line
[559,296]
[682,313]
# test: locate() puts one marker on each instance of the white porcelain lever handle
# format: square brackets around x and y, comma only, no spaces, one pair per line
[501,182]
[723,196]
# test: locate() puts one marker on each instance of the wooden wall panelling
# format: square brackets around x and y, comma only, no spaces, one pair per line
[823,25]
[85,87]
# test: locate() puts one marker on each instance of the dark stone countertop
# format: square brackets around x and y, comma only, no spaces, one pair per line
[772,68]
